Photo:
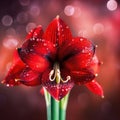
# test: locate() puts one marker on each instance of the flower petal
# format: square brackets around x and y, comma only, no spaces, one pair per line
[82,76]
[29,77]
[14,71]
[57,32]
[35,33]
[76,46]
[40,47]
[57,91]
[95,63]
[78,62]
[95,88]
[34,61]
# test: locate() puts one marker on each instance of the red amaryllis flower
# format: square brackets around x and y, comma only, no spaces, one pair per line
[55,60]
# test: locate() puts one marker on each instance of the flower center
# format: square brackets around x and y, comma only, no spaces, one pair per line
[55,75]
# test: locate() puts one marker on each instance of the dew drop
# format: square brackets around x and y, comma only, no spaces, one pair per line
[27,74]
[33,38]
[81,39]
[73,40]
[38,39]
[8,85]
[45,44]
[31,50]
[96,46]
[55,45]
[63,90]
[67,27]
[96,74]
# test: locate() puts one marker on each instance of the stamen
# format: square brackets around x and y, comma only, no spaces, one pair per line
[51,74]
[67,79]
[17,80]
[57,77]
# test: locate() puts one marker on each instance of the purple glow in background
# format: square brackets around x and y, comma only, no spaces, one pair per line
[98,20]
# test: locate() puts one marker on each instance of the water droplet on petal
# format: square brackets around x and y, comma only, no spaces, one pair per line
[8,85]
[45,44]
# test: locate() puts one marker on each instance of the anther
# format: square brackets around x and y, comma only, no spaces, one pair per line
[67,79]
[17,80]
[50,75]
[55,75]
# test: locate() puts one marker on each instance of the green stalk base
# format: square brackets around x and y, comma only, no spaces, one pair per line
[56,110]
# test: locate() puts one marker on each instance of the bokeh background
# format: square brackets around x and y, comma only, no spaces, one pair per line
[98,20]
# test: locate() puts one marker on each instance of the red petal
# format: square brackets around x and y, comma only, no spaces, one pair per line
[57,32]
[34,61]
[57,91]
[82,76]
[95,88]
[76,46]
[41,47]
[95,64]
[77,59]
[15,70]
[78,62]
[36,33]
[30,78]
[42,91]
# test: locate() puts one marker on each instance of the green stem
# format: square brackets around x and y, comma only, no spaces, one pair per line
[48,104]
[62,107]
[56,110]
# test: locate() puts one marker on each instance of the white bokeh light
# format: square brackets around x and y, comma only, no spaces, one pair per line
[69,10]
[10,42]
[34,10]
[112,5]
[24,2]
[11,31]
[22,17]
[7,20]
[30,26]
[98,28]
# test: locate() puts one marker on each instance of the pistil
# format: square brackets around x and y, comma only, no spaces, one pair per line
[55,75]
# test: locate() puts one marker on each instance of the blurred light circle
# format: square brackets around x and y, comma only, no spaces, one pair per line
[22,17]
[83,33]
[69,10]
[24,2]
[30,26]
[77,12]
[10,42]
[10,31]
[8,65]
[111,5]
[98,28]
[34,10]
[7,20]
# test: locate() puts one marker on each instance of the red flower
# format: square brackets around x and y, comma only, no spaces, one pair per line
[55,60]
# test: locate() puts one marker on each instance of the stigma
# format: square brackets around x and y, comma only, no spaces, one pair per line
[55,75]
